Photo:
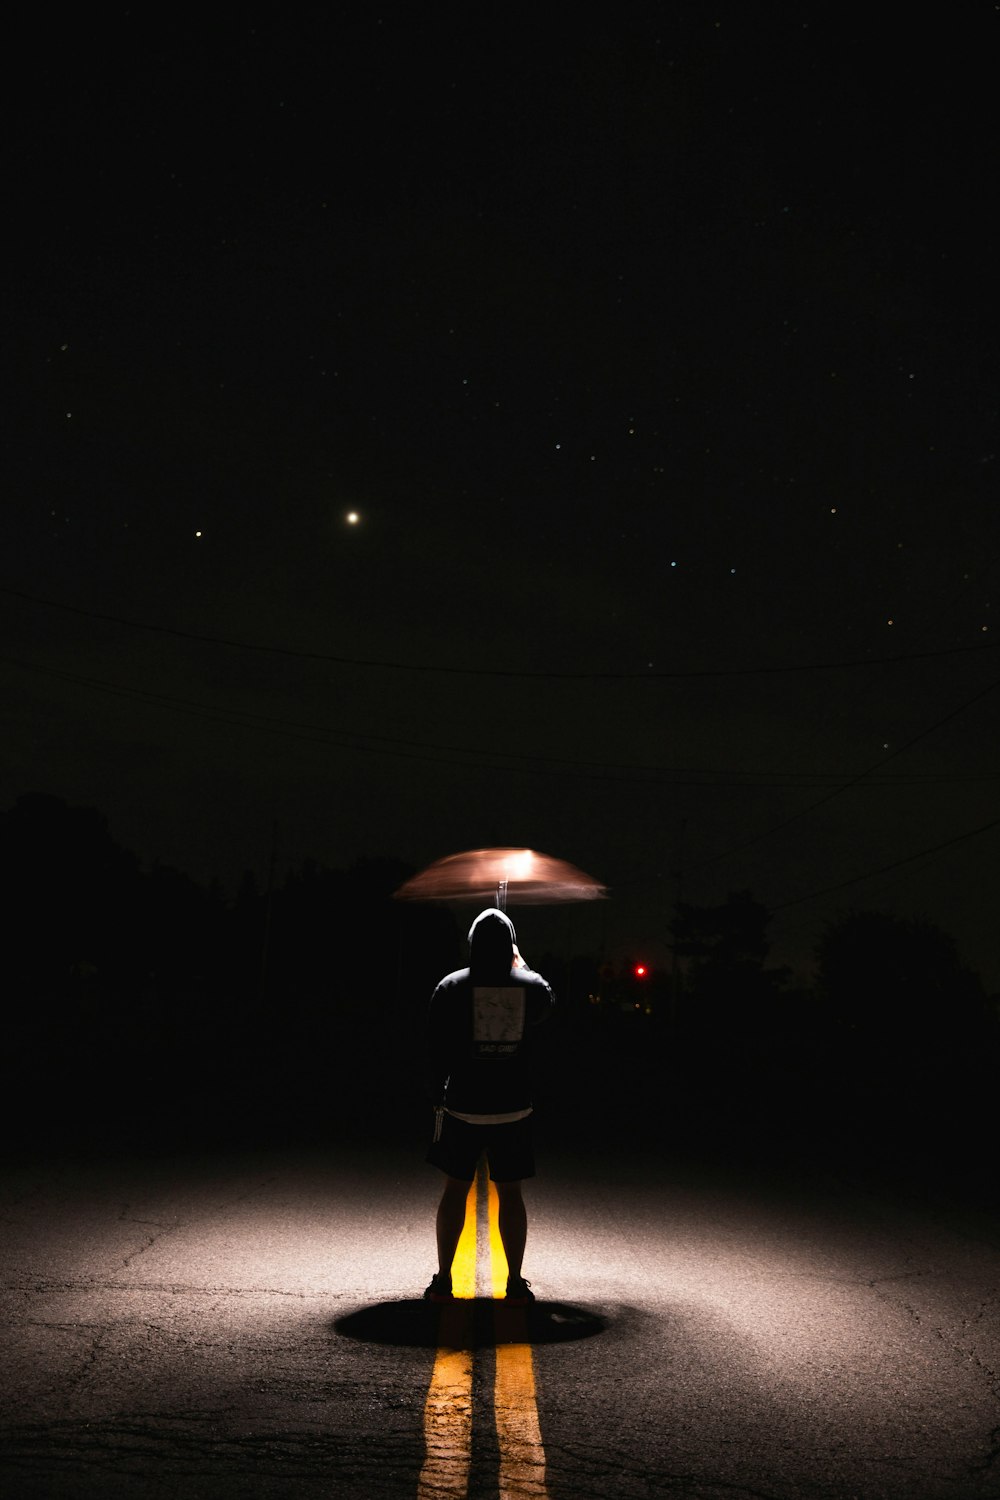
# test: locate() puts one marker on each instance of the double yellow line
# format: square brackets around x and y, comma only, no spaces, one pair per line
[448,1410]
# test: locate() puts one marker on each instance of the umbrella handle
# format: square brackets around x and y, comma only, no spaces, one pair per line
[502,895]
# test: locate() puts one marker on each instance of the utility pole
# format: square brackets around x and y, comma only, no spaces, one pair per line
[675,973]
[265,943]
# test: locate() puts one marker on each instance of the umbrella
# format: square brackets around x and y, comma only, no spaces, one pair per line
[525,876]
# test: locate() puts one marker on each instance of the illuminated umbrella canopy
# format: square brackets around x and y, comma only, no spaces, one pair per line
[522,876]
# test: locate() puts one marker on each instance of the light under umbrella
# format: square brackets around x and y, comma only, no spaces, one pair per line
[521,876]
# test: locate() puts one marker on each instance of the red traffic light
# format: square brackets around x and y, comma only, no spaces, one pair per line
[640,971]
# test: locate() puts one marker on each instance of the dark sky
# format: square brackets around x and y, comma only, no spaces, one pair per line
[656,355]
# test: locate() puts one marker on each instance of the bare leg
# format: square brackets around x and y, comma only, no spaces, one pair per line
[512,1220]
[450,1221]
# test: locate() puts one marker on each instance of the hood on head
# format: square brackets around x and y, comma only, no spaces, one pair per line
[491,943]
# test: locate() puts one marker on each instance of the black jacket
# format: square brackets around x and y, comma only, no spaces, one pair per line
[484,1024]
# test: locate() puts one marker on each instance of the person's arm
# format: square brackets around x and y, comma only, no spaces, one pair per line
[436,1061]
[541,1002]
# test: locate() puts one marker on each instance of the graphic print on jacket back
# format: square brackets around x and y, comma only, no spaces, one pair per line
[497,1019]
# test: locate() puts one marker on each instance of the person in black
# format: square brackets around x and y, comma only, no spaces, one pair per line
[482,1037]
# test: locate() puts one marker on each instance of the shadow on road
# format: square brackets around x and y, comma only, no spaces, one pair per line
[474,1323]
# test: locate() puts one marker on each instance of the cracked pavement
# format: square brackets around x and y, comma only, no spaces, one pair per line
[170,1330]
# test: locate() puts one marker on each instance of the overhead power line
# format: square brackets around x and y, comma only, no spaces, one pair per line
[907,859]
[369,742]
[862,777]
[428,668]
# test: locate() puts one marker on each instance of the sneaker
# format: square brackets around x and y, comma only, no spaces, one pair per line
[519,1292]
[440,1288]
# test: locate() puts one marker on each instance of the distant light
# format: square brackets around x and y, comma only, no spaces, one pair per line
[640,971]
[197,533]
[353,518]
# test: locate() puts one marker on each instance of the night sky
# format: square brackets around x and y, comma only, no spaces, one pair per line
[655,356]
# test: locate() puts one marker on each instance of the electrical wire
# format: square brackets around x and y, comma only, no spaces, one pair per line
[907,859]
[370,742]
[854,781]
[428,668]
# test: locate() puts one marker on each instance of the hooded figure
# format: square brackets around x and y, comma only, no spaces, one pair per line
[482,1040]
[481,1027]
[491,947]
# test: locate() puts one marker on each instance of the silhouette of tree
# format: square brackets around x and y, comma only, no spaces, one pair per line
[349,973]
[727,997]
[897,991]
[70,894]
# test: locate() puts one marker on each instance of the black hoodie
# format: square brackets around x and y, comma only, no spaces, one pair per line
[482,1025]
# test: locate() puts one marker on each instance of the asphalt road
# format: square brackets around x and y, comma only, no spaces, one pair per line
[248,1324]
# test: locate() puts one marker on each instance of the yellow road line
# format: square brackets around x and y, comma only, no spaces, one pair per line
[448,1428]
[448,1408]
[498,1259]
[522,1456]
[463,1268]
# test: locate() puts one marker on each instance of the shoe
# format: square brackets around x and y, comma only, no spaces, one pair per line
[440,1288]
[519,1292]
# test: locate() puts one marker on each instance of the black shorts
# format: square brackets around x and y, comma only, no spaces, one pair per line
[509,1149]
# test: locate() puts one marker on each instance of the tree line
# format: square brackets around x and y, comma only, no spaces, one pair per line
[140,999]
